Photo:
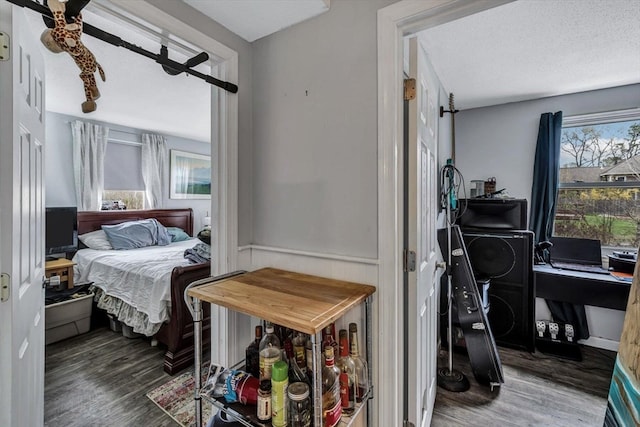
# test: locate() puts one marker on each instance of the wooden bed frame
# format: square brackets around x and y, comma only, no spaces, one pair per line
[177,334]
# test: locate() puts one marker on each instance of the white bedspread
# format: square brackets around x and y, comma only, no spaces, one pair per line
[139,277]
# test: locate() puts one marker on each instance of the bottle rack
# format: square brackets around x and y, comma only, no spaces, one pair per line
[297,301]
[246,414]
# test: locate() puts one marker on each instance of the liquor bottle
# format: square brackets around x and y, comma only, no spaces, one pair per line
[331,403]
[269,352]
[281,332]
[362,372]
[299,341]
[295,373]
[329,338]
[287,349]
[347,375]
[308,346]
[287,355]
[252,354]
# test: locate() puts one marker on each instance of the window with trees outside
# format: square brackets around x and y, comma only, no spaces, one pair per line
[599,194]
[122,199]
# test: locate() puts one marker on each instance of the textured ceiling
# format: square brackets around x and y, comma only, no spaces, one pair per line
[254,19]
[522,50]
[536,48]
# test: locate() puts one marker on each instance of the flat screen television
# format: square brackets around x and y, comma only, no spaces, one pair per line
[493,214]
[61,230]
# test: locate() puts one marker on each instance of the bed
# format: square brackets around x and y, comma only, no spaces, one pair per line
[156,276]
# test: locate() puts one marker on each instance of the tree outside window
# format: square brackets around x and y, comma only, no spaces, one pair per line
[122,199]
[599,195]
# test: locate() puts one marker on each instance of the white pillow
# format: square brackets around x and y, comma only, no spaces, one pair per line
[96,240]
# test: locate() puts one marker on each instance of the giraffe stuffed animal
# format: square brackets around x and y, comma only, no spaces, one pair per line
[65,37]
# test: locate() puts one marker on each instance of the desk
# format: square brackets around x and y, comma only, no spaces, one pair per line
[599,290]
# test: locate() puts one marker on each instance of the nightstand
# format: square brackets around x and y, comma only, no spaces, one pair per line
[61,267]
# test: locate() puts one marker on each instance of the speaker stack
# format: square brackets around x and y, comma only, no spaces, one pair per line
[504,255]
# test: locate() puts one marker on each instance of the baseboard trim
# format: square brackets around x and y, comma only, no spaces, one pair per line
[599,342]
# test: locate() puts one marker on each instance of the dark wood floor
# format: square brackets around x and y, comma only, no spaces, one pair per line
[101,378]
[539,390]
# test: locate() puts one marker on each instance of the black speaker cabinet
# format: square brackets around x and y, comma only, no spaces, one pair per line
[493,214]
[506,259]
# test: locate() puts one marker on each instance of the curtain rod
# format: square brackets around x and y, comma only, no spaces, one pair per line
[118,140]
[117,41]
[139,133]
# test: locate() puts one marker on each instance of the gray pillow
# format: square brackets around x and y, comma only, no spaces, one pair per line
[137,234]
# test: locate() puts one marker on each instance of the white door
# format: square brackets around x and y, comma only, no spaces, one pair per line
[422,207]
[21,221]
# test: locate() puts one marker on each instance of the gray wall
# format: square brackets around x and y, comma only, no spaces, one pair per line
[204,24]
[315,133]
[59,183]
[501,140]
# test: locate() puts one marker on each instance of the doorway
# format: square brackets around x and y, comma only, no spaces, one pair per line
[223,131]
[395,22]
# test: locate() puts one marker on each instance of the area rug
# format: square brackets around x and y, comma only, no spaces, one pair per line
[175,398]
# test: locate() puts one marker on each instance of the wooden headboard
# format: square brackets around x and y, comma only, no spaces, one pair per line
[93,220]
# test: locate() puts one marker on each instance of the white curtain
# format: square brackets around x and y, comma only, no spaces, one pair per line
[154,166]
[89,148]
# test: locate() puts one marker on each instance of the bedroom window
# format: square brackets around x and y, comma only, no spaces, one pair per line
[122,199]
[123,183]
[599,194]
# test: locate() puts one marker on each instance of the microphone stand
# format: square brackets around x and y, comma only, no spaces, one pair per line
[449,378]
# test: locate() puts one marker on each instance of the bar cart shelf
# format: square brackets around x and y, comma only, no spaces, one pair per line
[297,301]
[247,414]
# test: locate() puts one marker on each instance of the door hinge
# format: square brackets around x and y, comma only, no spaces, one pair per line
[5,287]
[409,260]
[409,89]
[5,46]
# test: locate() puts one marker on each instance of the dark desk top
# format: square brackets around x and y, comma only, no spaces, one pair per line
[600,290]
[547,269]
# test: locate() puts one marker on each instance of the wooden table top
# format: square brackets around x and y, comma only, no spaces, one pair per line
[59,263]
[298,301]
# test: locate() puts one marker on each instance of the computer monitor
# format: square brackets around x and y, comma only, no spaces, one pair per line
[493,214]
[61,230]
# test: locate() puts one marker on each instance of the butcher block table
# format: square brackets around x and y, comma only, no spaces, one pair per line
[297,301]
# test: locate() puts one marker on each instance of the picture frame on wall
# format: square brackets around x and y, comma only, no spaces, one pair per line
[190,175]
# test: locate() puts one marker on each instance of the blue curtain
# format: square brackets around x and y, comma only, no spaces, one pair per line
[544,192]
[546,176]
